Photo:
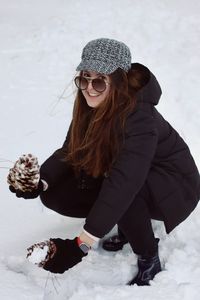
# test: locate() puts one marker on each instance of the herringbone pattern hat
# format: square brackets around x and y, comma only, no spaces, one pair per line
[105,56]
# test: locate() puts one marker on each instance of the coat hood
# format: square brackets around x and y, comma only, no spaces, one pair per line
[151,91]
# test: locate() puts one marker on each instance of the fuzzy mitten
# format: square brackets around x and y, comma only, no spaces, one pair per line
[24,175]
[60,255]
[28,194]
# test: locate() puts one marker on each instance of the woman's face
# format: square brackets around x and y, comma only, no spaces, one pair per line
[92,97]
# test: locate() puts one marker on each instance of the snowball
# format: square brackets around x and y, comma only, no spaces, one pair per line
[38,255]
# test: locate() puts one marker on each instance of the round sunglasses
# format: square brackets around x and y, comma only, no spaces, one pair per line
[98,84]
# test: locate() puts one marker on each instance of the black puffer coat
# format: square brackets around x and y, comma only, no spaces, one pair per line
[153,153]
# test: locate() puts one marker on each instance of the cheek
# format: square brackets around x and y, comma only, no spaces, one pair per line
[106,92]
[83,92]
[103,96]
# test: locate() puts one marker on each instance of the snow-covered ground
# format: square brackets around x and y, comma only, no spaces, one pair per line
[40,47]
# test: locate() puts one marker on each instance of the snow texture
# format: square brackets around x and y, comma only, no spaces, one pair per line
[41,44]
[38,255]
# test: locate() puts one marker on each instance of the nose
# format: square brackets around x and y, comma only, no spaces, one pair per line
[89,87]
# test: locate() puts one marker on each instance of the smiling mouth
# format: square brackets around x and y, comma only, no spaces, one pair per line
[93,95]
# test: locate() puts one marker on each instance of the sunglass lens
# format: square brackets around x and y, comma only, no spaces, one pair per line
[81,82]
[99,85]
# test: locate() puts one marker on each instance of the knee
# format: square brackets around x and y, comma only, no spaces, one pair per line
[72,206]
[49,201]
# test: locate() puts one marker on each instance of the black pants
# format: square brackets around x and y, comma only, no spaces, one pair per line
[69,200]
[136,225]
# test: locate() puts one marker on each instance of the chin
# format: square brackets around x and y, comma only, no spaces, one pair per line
[93,105]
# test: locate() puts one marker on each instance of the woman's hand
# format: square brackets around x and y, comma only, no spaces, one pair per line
[67,255]
[56,255]
[28,194]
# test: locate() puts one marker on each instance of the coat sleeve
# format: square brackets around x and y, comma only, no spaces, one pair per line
[55,166]
[127,175]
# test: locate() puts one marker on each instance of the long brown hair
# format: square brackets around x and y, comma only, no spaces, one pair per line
[96,133]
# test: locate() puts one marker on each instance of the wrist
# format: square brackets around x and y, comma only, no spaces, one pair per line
[86,239]
[82,245]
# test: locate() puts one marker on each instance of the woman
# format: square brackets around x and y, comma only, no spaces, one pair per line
[121,163]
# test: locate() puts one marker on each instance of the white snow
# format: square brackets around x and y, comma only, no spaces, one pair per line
[40,47]
[38,255]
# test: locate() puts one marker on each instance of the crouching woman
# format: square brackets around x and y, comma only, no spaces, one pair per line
[121,163]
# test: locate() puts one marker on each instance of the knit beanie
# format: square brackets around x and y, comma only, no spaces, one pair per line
[105,56]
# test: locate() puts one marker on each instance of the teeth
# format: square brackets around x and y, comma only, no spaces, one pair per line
[93,95]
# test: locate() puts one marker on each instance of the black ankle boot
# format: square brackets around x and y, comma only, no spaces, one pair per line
[115,243]
[147,269]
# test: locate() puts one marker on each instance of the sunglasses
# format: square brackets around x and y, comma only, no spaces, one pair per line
[98,84]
